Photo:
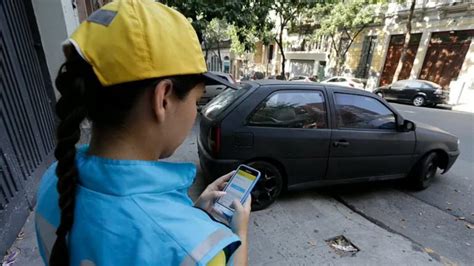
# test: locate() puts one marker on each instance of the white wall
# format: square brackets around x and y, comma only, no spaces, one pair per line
[56,21]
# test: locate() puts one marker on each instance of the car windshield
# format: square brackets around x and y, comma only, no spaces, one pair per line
[223,100]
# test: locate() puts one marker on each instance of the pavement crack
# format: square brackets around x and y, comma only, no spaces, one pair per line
[415,245]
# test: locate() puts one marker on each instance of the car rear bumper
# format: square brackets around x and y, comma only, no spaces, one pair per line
[452,156]
[214,168]
[438,99]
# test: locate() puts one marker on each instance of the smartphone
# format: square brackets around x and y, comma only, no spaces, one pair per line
[239,187]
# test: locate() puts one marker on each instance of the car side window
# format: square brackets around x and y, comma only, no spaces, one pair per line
[425,86]
[332,80]
[291,110]
[341,80]
[362,112]
[398,85]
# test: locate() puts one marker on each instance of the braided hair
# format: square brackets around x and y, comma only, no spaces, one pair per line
[83,96]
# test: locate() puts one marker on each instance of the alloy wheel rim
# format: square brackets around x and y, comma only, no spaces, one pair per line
[418,101]
[266,188]
[431,171]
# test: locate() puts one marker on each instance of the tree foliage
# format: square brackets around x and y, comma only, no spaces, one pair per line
[343,22]
[243,16]
[288,12]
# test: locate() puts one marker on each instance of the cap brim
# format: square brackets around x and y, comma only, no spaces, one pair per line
[213,79]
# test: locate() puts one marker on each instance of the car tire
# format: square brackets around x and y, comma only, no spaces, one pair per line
[424,171]
[268,187]
[418,101]
[380,94]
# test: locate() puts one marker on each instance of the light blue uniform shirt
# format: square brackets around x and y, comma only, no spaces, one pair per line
[131,213]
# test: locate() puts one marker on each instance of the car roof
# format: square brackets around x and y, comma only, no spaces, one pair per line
[420,80]
[296,85]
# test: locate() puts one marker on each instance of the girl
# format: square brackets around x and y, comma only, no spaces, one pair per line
[135,69]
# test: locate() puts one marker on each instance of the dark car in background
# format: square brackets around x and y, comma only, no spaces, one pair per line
[300,134]
[417,92]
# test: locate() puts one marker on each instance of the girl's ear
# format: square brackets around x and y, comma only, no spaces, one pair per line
[161,99]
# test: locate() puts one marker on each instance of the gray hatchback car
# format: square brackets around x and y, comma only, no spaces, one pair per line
[300,134]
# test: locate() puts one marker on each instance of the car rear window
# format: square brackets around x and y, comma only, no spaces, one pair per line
[220,103]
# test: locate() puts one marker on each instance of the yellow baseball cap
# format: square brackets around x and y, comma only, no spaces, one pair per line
[131,40]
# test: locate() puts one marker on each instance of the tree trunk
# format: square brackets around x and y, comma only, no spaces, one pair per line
[219,53]
[403,56]
[206,49]
[339,65]
[282,52]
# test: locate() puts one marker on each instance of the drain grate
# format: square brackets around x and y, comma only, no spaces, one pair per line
[342,246]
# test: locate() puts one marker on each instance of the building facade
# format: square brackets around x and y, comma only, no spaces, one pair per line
[440,49]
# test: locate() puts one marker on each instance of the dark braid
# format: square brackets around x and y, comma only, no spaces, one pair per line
[82,96]
[75,82]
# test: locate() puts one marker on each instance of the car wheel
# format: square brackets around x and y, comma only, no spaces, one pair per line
[419,101]
[268,187]
[380,94]
[425,171]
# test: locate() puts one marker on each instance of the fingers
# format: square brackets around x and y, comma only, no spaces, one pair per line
[248,204]
[216,194]
[224,178]
[222,186]
[237,205]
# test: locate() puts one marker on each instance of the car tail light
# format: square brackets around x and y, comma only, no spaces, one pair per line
[438,91]
[214,140]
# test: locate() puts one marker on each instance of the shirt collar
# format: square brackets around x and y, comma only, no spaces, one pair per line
[126,177]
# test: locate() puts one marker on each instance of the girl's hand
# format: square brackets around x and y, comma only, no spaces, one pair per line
[212,193]
[240,220]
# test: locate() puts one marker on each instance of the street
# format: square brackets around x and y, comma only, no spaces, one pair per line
[437,217]
[388,223]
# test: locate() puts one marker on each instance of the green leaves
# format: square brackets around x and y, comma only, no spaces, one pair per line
[244,16]
[345,16]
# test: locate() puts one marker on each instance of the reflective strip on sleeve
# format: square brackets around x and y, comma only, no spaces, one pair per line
[87,263]
[46,234]
[200,251]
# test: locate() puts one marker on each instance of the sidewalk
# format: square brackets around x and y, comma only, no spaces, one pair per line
[464,107]
[293,231]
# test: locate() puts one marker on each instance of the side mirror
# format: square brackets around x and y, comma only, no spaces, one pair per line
[407,126]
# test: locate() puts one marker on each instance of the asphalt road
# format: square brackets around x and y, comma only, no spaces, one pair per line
[440,218]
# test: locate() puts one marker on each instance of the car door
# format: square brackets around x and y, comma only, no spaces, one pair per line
[291,127]
[396,91]
[410,90]
[365,142]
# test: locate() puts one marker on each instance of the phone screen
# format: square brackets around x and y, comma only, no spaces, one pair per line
[238,186]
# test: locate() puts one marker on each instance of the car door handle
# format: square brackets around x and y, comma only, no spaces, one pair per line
[340,143]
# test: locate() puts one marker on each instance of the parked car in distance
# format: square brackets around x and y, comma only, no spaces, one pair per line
[417,92]
[345,81]
[212,91]
[299,134]
[303,78]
